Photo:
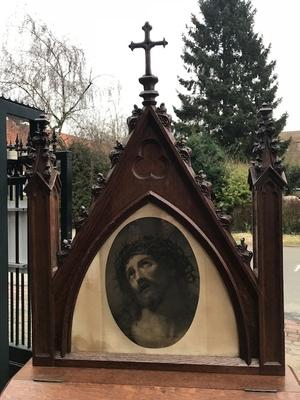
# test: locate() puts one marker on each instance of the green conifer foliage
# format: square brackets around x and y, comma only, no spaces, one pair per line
[87,162]
[230,75]
[209,157]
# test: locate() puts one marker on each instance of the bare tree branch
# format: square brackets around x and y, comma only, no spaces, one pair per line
[51,74]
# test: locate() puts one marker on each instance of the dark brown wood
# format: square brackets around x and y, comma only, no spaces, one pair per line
[86,383]
[267,207]
[267,182]
[153,168]
[191,208]
[179,364]
[43,192]
[160,378]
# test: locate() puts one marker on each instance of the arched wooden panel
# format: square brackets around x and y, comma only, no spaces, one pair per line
[213,328]
[164,179]
[240,308]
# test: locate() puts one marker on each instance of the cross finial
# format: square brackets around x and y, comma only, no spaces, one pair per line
[147,45]
[148,80]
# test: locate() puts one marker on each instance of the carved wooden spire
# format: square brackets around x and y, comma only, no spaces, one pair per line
[41,157]
[267,181]
[267,147]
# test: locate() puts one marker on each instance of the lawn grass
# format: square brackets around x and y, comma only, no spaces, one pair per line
[288,240]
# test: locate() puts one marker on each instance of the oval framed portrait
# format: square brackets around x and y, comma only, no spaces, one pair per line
[152,282]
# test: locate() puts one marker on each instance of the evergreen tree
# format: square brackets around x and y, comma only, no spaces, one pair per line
[230,75]
[209,157]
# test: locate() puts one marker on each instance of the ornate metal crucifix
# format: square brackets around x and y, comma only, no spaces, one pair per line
[148,80]
[147,45]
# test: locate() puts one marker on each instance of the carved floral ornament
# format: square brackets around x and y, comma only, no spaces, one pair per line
[267,146]
[40,149]
[161,112]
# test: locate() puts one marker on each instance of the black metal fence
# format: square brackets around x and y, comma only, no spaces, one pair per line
[7,108]
[15,315]
[19,309]
[19,304]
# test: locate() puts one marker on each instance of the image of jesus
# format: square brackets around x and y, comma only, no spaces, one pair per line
[158,283]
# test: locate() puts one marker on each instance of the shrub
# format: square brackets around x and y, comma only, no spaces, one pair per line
[242,219]
[87,162]
[235,191]
[291,215]
[293,178]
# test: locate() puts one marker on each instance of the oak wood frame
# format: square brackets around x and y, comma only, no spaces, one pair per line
[126,192]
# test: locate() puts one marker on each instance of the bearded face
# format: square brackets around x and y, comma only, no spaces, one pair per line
[148,280]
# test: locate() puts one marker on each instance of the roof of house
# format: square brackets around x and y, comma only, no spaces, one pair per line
[292,155]
[294,135]
[66,140]
[18,128]
[19,103]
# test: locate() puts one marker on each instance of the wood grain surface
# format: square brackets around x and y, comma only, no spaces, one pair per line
[153,167]
[84,383]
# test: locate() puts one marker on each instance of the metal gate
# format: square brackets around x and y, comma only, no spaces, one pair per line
[8,108]
[19,314]
[15,312]
[19,306]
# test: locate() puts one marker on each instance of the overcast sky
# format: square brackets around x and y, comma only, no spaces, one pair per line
[104,30]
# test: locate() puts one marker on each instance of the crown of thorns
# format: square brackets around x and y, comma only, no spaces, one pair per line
[164,251]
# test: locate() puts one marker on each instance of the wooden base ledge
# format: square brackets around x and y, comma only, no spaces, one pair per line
[206,364]
[153,362]
[41,383]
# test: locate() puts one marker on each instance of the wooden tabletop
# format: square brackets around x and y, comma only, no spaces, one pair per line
[60,383]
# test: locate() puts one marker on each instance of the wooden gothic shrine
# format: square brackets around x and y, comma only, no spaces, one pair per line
[153,278]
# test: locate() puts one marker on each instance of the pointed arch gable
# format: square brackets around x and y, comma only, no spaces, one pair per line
[238,303]
[150,170]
